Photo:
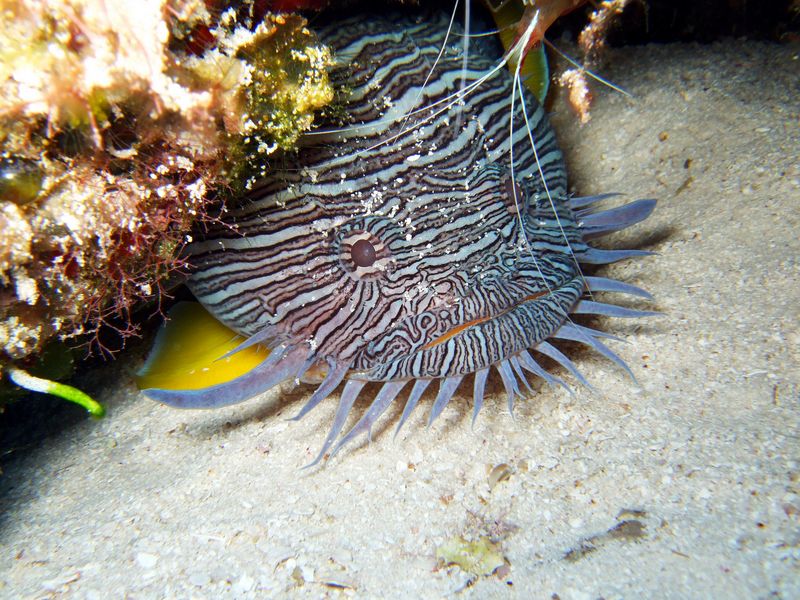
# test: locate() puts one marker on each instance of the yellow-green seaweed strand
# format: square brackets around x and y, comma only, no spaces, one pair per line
[62,390]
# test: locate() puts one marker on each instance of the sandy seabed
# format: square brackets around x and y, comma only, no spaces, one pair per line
[687,485]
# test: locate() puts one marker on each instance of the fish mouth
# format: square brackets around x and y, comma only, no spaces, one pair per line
[454,331]
[471,343]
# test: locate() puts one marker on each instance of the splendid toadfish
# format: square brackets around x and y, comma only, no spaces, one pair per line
[428,239]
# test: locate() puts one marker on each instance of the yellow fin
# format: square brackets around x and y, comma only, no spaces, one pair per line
[534,72]
[186,353]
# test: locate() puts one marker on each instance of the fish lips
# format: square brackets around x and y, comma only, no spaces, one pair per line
[449,342]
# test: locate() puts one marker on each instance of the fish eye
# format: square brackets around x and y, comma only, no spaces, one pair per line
[363,253]
[364,247]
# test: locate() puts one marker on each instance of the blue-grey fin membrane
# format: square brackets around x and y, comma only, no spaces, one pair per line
[447,388]
[349,394]
[607,221]
[583,201]
[551,351]
[604,284]
[590,307]
[279,366]
[420,385]
[334,377]
[597,256]
[264,337]
[520,373]
[383,399]
[478,389]
[582,335]
[528,363]
[599,333]
[509,382]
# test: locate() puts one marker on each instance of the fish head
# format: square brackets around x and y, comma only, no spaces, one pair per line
[390,275]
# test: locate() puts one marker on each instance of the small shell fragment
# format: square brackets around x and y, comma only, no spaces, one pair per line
[498,474]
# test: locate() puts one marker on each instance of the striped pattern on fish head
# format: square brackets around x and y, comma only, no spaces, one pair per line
[428,236]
